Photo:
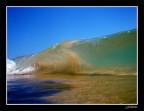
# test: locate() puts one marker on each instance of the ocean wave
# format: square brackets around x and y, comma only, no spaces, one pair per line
[116,53]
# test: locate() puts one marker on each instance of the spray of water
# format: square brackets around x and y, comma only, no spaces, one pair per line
[12,68]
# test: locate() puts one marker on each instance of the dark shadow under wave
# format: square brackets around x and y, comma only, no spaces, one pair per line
[29,91]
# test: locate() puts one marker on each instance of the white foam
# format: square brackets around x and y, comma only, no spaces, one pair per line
[12,68]
[27,70]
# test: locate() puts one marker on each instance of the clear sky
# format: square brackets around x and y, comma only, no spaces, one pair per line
[34,29]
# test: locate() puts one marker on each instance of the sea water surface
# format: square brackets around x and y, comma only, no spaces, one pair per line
[27,90]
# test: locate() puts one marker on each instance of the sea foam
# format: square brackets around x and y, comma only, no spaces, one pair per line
[12,68]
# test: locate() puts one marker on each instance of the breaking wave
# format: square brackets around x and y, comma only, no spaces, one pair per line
[116,53]
[12,68]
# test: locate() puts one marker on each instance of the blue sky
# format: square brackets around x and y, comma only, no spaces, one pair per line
[34,29]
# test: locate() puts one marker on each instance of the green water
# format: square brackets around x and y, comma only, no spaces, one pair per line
[119,49]
[113,52]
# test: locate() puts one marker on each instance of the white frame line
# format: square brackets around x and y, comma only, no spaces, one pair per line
[79,7]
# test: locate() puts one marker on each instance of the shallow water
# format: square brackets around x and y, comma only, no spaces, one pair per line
[31,91]
[72,89]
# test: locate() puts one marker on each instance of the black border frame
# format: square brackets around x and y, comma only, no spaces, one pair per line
[4,107]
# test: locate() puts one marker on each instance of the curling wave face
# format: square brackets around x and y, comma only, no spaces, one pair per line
[116,53]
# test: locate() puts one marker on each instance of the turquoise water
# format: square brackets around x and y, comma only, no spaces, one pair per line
[119,49]
[112,52]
